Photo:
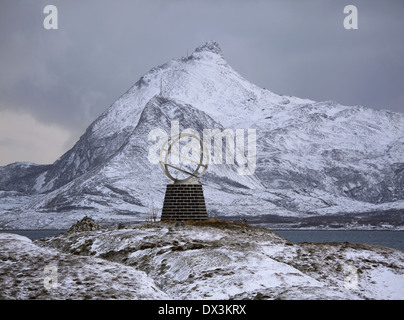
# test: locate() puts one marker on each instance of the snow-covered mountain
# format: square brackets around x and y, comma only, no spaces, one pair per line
[314,160]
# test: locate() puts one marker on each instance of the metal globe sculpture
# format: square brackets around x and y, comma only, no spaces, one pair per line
[190,152]
[184,159]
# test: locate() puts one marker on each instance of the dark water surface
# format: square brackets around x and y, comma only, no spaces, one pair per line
[35,234]
[392,239]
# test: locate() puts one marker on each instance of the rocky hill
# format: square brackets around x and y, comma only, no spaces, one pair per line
[198,260]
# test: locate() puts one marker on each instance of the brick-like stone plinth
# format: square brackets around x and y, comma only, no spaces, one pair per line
[184,202]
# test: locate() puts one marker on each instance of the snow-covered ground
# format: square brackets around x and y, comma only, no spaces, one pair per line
[26,272]
[209,260]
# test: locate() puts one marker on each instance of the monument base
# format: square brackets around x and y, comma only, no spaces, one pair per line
[184,202]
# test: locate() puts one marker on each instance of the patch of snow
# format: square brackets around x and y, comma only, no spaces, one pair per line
[23,274]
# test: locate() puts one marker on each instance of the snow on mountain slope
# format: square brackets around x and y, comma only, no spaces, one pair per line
[314,158]
[128,180]
[354,152]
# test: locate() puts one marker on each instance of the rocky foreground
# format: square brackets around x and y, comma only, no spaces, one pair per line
[198,260]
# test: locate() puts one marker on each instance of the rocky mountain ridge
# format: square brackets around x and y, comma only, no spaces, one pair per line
[314,159]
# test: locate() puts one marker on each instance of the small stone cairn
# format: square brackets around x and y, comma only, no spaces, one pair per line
[85,224]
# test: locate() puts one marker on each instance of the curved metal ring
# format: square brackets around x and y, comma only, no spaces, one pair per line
[192,175]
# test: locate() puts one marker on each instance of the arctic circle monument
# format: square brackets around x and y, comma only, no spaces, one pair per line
[184,159]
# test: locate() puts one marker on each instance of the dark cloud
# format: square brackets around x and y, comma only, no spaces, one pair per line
[68,77]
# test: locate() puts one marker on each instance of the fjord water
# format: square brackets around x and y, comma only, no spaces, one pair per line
[392,239]
[35,234]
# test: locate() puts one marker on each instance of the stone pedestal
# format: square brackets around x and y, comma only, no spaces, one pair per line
[184,202]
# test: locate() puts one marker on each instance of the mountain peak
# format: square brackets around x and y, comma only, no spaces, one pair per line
[210,46]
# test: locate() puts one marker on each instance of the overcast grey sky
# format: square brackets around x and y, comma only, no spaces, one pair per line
[54,83]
